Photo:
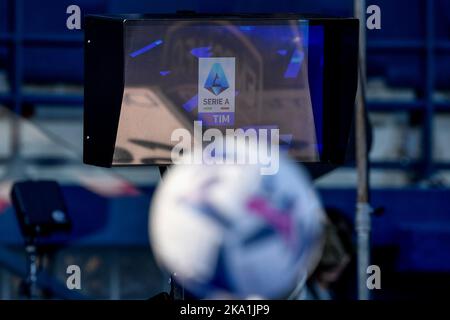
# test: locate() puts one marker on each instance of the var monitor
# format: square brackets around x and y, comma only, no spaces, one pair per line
[147,76]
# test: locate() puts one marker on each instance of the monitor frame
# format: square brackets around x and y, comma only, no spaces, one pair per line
[104,80]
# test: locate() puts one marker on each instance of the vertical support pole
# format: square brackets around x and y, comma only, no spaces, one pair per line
[31,281]
[17,77]
[15,163]
[427,137]
[360,13]
[18,56]
[363,208]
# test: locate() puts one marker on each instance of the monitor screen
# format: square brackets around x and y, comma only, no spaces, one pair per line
[197,75]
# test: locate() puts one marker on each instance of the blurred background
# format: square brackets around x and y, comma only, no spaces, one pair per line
[41,99]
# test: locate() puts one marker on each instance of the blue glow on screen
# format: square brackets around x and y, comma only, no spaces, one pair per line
[284,50]
[147,48]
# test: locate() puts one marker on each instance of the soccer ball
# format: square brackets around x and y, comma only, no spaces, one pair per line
[228,230]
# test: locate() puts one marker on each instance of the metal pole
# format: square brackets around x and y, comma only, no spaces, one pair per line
[15,166]
[363,208]
[360,13]
[31,281]
[427,131]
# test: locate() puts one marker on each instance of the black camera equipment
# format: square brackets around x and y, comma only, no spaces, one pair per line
[41,211]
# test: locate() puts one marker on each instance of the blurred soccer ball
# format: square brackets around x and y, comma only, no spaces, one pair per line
[227,229]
